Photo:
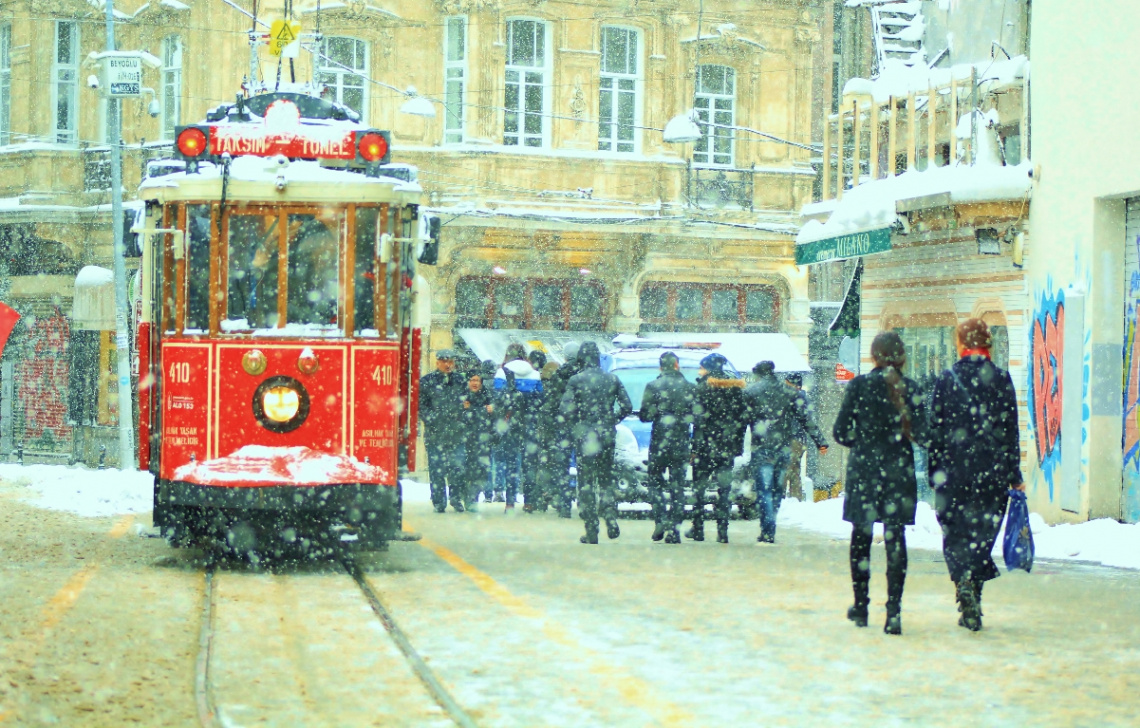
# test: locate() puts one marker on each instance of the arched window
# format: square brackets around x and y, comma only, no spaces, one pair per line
[343,69]
[716,108]
[682,306]
[525,98]
[530,303]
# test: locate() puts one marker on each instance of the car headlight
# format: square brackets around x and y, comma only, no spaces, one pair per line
[280,403]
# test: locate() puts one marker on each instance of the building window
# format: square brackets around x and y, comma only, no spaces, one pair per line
[524,123]
[171,85]
[530,303]
[715,102]
[454,79]
[343,69]
[618,88]
[65,76]
[709,307]
[6,84]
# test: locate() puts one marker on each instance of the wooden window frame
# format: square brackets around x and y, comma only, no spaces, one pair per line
[671,322]
[490,317]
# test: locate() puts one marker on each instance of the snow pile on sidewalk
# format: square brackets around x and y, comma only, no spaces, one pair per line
[92,493]
[1103,541]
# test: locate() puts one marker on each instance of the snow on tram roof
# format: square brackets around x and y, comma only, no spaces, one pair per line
[260,169]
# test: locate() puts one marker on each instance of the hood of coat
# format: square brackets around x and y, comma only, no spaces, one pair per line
[527,378]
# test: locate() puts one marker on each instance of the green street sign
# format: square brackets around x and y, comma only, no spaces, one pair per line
[844,246]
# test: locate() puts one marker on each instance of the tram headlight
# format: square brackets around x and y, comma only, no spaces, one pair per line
[191,142]
[280,404]
[373,147]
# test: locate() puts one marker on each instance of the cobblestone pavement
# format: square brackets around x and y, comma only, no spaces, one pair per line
[527,627]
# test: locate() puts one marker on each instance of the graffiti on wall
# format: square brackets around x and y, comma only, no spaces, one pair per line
[42,379]
[1131,409]
[1046,369]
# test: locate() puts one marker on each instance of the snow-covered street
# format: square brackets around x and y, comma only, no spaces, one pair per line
[524,626]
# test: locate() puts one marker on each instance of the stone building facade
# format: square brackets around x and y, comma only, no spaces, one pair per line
[563,207]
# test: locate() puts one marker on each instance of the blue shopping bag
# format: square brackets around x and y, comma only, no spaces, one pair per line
[1018,544]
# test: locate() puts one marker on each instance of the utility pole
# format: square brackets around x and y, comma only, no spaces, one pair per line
[122,305]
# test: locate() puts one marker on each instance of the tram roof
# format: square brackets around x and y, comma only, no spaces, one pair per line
[257,179]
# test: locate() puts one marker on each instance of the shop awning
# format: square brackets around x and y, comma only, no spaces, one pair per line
[846,322]
[842,247]
[492,343]
[93,306]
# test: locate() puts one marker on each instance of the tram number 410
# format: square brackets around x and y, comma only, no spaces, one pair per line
[382,375]
[180,372]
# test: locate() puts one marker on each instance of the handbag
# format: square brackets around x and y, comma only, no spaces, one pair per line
[1017,547]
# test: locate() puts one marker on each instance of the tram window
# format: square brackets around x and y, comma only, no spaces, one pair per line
[313,269]
[198,267]
[252,272]
[365,316]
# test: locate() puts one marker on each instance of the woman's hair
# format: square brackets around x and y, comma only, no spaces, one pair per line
[515,352]
[974,334]
[888,351]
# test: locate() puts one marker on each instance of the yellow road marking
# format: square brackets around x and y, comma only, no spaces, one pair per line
[122,526]
[632,689]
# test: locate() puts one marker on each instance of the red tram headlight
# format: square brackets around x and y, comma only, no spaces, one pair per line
[373,147]
[192,142]
[307,363]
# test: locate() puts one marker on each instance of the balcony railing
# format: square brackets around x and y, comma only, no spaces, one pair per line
[713,188]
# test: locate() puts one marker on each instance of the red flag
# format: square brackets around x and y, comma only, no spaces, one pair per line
[8,319]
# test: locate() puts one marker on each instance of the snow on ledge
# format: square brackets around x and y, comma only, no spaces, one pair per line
[260,465]
[871,206]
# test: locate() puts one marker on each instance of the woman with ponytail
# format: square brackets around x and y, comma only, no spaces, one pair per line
[881,416]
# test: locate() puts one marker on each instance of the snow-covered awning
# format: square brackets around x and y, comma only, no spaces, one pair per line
[93,305]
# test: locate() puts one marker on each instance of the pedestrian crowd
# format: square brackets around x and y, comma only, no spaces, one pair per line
[548,432]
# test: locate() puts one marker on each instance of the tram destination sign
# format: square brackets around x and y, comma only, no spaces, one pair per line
[842,247]
[240,142]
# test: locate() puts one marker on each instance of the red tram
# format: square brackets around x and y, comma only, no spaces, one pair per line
[280,333]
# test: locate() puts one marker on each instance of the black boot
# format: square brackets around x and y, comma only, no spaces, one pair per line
[697,532]
[591,535]
[612,529]
[673,537]
[895,582]
[858,612]
[966,593]
[722,531]
[658,531]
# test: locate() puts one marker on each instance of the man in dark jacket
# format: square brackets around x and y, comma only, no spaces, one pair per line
[777,415]
[556,439]
[668,403]
[975,458]
[440,408]
[477,426]
[593,404]
[720,420]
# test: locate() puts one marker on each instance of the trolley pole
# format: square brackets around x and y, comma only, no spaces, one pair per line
[122,305]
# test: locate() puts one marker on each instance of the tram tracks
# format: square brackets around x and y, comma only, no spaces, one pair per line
[204,689]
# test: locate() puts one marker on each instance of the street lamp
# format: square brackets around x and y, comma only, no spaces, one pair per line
[417,105]
[682,129]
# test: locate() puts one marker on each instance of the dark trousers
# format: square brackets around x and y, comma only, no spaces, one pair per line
[712,473]
[445,468]
[595,488]
[668,495]
[532,463]
[553,476]
[969,530]
[894,538]
[477,472]
[508,467]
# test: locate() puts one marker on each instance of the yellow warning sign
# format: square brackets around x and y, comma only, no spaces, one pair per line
[282,34]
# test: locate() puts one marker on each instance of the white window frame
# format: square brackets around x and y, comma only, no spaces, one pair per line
[327,67]
[524,76]
[610,83]
[706,102]
[5,84]
[171,86]
[65,79]
[454,82]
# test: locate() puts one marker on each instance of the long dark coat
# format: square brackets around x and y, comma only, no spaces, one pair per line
[593,403]
[975,457]
[440,406]
[721,419]
[881,484]
[668,403]
[553,428]
[476,424]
